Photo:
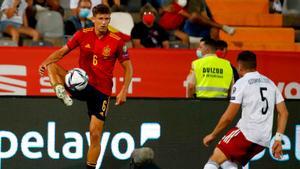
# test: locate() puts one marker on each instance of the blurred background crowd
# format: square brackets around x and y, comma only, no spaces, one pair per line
[142,23]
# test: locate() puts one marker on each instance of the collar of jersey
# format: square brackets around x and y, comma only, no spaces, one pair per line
[210,55]
[251,73]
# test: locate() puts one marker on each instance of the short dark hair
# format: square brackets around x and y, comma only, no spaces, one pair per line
[220,44]
[210,43]
[247,59]
[101,9]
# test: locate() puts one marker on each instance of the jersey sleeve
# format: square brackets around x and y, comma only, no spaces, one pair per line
[122,51]
[237,93]
[279,98]
[75,40]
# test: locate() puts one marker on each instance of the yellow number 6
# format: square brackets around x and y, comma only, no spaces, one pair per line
[95,60]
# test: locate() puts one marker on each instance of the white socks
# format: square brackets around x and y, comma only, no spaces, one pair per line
[225,165]
[229,165]
[211,165]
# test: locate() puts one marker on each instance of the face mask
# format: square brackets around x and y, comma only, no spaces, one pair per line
[199,53]
[220,53]
[84,12]
[148,18]
[182,3]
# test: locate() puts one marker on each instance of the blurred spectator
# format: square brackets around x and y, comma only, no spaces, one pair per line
[34,6]
[157,4]
[116,5]
[74,5]
[31,11]
[276,6]
[147,33]
[52,5]
[173,17]
[201,15]
[222,48]
[81,20]
[210,76]
[143,158]
[14,21]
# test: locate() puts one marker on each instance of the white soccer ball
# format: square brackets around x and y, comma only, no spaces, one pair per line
[76,79]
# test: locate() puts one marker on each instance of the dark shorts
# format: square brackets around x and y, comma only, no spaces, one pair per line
[97,102]
[193,29]
[237,148]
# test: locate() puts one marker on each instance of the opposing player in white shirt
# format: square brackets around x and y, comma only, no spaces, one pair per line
[257,95]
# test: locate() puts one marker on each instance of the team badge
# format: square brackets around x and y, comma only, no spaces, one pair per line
[106,51]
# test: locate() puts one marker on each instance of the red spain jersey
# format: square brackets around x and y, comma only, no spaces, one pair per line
[98,56]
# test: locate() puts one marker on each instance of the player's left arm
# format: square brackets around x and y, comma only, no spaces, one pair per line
[281,125]
[128,71]
[225,120]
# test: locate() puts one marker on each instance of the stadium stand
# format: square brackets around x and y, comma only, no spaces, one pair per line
[50,25]
[7,42]
[257,29]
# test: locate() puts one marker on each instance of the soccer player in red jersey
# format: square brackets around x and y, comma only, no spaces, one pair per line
[99,50]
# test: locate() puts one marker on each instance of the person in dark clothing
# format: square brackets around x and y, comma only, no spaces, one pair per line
[147,33]
[75,23]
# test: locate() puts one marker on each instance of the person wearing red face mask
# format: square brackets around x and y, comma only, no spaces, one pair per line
[147,33]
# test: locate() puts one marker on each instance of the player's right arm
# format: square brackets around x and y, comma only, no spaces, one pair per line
[53,58]
[60,53]
[225,120]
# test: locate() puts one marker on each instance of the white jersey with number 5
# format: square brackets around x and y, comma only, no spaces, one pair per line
[258,96]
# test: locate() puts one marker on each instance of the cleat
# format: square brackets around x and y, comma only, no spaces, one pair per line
[63,95]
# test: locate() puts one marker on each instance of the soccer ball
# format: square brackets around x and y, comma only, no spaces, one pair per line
[76,79]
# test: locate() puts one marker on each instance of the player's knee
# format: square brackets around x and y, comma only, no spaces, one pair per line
[95,136]
[218,156]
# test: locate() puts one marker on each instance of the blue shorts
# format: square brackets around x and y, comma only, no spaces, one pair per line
[4,24]
[97,102]
[194,29]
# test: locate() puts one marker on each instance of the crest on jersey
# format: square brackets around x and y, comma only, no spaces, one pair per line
[106,51]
